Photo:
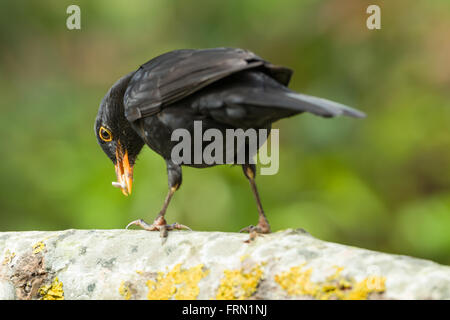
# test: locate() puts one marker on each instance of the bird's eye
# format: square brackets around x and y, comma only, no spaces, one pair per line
[105,134]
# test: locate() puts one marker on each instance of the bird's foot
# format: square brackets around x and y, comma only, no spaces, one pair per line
[254,231]
[160,225]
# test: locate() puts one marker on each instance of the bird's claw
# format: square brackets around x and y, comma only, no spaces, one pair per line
[158,225]
[178,226]
[254,231]
[247,229]
[141,223]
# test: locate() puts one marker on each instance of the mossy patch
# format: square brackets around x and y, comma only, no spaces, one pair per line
[28,275]
[180,284]
[297,281]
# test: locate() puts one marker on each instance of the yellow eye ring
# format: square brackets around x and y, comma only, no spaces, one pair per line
[105,134]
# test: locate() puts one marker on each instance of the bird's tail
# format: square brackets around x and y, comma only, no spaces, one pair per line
[323,107]
[253,99]
[298,102]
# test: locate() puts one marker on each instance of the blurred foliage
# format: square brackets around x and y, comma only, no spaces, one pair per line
[382,183]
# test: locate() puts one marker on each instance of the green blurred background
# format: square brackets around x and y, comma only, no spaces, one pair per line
[381,183]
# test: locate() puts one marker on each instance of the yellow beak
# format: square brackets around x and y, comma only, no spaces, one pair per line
[124,171]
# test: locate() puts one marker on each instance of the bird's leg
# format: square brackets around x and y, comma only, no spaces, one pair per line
[174,177]
[263,224]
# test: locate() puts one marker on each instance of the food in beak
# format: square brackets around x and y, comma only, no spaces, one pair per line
[124,172]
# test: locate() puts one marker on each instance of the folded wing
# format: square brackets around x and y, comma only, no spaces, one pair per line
[178,74]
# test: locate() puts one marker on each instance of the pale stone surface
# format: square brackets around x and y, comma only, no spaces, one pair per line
[135,264]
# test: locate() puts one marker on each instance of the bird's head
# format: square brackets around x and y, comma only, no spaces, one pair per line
[115,135]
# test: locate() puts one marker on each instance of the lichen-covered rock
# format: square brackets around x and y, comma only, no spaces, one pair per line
[135,264]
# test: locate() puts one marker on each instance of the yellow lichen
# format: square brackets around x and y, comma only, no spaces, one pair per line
[336,274]
[239,284]
[297,281]
[177,283]
[124,290]
[245,256]
[9,256]
[52,291]
[372,284]
[38,247]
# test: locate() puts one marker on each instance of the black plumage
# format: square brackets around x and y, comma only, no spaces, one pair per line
[225,88]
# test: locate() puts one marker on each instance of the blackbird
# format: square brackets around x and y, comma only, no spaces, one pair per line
[225,88]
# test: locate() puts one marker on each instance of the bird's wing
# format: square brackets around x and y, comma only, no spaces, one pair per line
[177,74]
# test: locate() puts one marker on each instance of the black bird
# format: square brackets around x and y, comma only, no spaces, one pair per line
[225,88]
